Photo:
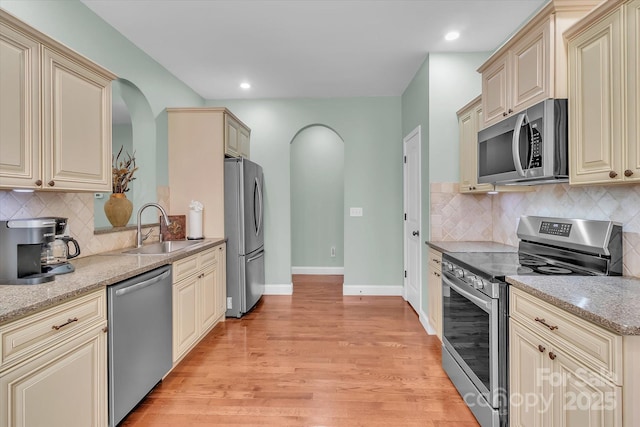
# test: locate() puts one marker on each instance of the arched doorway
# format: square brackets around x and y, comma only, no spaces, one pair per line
[317,201]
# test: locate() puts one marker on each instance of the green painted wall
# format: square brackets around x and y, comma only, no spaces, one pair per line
[415,112]
[317,198]
[371,130]
[453,82]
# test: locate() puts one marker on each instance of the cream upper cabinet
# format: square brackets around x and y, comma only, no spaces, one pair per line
[237,135]
[434,291]
[53,370]
[55,115]
[565,371]
[531,65]
[469,120]
[604,96]
[196,161]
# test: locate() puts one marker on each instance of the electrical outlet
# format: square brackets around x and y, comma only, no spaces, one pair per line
[98,195]
[355,211]
[229,303]
[333,251]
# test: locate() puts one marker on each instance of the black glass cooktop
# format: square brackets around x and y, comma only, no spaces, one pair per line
[497,265]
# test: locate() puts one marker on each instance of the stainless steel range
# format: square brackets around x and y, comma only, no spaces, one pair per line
[475,300]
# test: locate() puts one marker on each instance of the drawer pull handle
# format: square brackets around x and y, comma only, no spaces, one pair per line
[545,323]
[436,274]
[437,261]
[75,319]
[552,356]
[541,348]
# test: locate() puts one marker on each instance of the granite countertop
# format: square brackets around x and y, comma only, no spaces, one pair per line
[92,272]
[470,246]
[612,302]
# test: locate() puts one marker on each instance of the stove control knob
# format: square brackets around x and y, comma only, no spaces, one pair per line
[479,284]
[459,273]
[447,265]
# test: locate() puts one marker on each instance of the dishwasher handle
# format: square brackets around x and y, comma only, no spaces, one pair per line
[144,284]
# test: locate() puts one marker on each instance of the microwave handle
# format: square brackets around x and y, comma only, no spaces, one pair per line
[515,143]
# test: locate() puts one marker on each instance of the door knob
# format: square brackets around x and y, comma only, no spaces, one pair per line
[416,233]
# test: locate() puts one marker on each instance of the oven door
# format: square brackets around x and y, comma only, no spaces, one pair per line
[470,334]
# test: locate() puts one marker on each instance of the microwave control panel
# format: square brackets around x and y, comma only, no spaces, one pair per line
[535,159]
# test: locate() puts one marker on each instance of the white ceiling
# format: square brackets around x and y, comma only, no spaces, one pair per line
[307,48]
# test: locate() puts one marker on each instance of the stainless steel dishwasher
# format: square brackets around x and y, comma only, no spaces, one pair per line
[139,338]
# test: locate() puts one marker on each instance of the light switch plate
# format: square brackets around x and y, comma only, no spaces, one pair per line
[355,211]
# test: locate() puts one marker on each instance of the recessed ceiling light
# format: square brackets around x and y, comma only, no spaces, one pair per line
[245,85]
[452,35]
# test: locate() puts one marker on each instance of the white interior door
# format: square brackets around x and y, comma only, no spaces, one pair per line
[412,238]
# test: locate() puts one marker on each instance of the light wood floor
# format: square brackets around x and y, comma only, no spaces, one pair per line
[312,359]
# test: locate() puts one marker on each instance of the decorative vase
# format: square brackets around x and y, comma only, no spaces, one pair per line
[118,209]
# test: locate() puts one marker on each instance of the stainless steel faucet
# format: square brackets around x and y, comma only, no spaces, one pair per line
[139,237]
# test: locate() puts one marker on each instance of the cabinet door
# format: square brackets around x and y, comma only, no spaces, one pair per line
[581,397]
[76,126]
[19,109]
[633,91]
[65,386]
[596,135]
[434,291]
[185,316]
[243,142]
[495,92]
[231,147]
[529,379]
[221,291]
[208,283]
[468,122]
[530,68]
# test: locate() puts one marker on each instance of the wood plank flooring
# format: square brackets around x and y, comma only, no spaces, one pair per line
[316,358]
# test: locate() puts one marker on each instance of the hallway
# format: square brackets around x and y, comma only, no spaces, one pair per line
[316,358]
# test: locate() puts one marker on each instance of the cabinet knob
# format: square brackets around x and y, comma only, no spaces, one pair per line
[510,111]
[613,174]
[552,356]
[39,182]
[628,172]
[51,183]
[541,348]
[505,114]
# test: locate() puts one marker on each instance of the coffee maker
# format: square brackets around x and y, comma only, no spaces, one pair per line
[56,253]
[21,245]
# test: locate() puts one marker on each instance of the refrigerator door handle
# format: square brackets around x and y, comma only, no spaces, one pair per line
[258,218]
[253,258]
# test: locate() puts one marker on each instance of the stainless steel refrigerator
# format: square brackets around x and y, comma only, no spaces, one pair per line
[244,227]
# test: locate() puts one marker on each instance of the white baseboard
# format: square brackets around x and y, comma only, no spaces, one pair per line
[317,270]
[372,290]
[286,289]
[424,321]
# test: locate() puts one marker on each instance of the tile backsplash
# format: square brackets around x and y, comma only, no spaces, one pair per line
[78,207]
[456,217]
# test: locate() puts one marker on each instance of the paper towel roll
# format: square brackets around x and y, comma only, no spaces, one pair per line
[195,225]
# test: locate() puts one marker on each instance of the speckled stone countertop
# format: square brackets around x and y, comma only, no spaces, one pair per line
[92,272]
[470,246]
[612,302]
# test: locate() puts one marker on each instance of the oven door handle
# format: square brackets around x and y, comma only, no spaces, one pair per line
[485,305]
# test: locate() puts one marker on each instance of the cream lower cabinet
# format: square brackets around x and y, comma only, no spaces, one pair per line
[56,377]
[55,114]
[604,95]
[198,283]
[567,372]
[434,291]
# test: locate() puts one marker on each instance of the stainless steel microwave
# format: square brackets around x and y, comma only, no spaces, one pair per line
[526,149]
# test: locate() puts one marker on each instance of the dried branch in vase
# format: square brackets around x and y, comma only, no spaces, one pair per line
[122,171]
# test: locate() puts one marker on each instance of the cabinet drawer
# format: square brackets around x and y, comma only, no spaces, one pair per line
[596,347]
[38,331]
[193,264]
[435,259]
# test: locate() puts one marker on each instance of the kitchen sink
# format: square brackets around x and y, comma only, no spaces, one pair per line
[163,247]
